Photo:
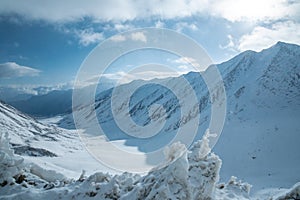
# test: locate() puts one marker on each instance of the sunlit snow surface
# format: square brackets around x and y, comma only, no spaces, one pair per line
[184,175]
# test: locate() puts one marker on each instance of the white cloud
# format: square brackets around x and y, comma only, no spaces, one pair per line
[114,76]
[123,27]
[12,90]
[88,36]
[183,67]
[187,64]
[186,60]
[118,38]
[139,36]
[254,10]
[184,25]
[136,36]
[12,69]
[120,10]
[123,77]
[263,37]
[230,44]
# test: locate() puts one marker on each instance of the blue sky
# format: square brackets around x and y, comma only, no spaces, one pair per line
[45,42]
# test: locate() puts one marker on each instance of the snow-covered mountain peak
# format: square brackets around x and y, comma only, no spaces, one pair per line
[263,95]
[280,49]
[281,44]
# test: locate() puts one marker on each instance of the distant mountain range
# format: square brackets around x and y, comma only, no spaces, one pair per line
[53,103]
[45,101]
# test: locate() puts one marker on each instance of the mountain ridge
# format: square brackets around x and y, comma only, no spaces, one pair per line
[259,110]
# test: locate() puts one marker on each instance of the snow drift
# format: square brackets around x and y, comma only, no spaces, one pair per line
[185,175]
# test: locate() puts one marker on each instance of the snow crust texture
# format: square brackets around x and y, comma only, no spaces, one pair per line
[185,175]
[10,165]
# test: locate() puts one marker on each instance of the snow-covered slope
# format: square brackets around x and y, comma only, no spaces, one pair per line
[48,146]
[184,175]
[25,131]
[261,127]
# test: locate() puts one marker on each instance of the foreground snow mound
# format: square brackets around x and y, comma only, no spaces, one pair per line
[168,182]
[10,165]
[188,175]
[185,175]
[234,189]
[204,168]
[293,193]
[15,175]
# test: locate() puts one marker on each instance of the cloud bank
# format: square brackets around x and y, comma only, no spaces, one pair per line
[270,20]
[120,10]
[264,37]
[12,69]
[88,36]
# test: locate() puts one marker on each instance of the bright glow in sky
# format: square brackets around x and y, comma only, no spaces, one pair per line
[45,42]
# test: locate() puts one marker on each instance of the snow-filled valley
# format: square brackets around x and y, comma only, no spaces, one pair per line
[259,144]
